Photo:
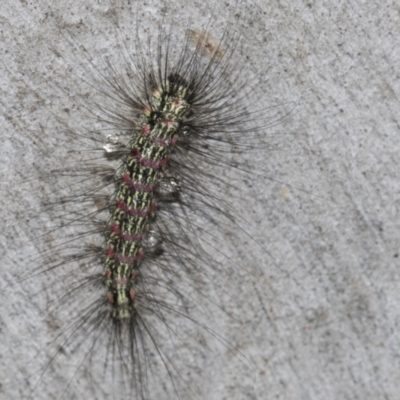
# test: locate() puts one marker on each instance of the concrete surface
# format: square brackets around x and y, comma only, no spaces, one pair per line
[317,317]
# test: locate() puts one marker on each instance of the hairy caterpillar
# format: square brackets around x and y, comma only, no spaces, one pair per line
[323,323]
[193,241]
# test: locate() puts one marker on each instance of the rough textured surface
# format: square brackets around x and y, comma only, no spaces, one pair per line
[320,311]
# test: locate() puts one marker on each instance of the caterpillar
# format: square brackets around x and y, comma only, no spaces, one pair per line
[138,219]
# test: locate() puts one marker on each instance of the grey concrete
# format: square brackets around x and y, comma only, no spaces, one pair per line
[316,286]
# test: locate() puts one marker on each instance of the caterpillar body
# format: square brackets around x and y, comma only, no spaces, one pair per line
[134,198]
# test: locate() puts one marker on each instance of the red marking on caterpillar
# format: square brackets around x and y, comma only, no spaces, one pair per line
[137,185]
[146,162]
[144,212]
[145,130]
[130,260]
[110,297]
